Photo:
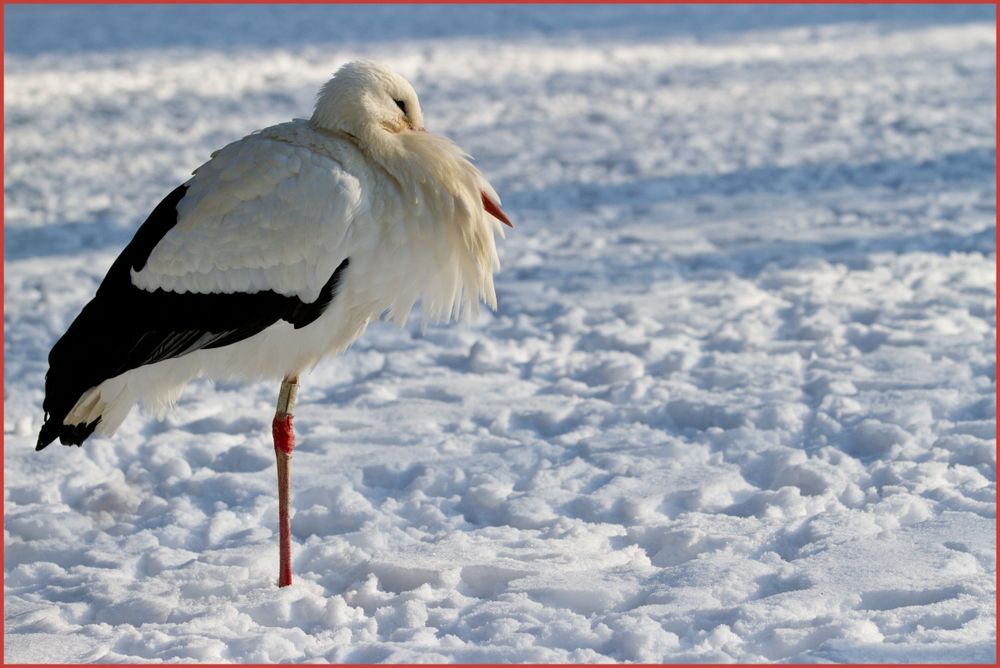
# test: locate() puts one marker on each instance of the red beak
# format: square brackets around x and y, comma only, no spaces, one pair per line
[494,210]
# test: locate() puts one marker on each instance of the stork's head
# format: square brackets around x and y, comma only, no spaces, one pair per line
[367,100]
[451,210]
[380,110]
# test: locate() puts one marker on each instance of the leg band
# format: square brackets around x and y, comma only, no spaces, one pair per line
[284,436]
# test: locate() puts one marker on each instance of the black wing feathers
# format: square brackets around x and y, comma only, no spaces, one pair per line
[124,327]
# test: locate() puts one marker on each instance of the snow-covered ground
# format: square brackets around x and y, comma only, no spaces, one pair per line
[737,404]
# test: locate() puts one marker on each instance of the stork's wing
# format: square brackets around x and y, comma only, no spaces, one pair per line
[260,215]
[257,236]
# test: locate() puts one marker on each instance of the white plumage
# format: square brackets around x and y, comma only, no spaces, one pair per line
[282,208]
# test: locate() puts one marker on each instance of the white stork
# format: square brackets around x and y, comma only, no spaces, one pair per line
[280,250]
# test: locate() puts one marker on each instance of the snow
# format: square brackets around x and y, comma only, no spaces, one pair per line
[737,404]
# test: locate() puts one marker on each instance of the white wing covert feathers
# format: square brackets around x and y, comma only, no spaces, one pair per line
[265,213]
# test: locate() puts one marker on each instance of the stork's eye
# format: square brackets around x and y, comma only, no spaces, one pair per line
[402,106]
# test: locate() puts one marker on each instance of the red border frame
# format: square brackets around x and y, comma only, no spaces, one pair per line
[450,2]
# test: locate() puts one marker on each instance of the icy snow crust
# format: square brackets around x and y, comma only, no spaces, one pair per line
[737,403]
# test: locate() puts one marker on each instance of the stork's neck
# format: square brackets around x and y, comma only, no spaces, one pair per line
[436,240]
[335,133]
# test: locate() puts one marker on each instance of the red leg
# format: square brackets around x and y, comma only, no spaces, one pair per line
[284,443]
